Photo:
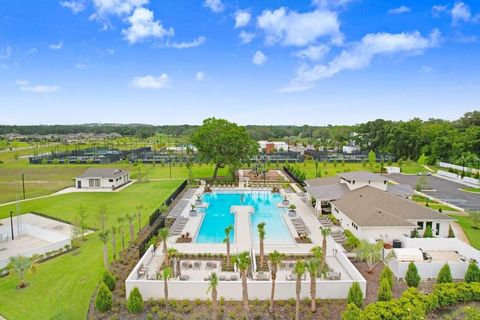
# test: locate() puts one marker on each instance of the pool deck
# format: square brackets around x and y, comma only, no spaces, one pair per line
[243,231]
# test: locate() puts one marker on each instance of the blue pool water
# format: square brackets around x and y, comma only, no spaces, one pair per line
[218,216]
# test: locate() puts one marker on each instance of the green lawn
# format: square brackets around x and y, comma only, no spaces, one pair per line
[45,179]
[472,234]
[476,190]
[62,287]
[431,203]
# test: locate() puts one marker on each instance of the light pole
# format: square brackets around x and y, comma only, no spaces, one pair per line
[23,185]
[11,224]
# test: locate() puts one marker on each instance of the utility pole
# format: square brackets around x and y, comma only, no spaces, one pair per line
[23,185]
[11,224]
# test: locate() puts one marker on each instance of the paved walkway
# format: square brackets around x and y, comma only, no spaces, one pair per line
[459,233]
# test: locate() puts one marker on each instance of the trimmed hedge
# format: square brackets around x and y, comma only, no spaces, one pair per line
[109,280]
[355,295]
[104,300]
[411,277]
[444,275]
[473,273]
[414,304]
[135,301]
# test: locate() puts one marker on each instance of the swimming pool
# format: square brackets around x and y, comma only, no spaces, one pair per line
[218,216]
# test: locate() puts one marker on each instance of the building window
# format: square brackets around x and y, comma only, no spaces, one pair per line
[438,229]
[110,180]
[420,225]
[97,182]
[91,182]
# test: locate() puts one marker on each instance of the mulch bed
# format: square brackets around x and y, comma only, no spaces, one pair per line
[373,282]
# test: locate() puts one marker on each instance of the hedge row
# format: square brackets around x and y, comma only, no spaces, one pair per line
[414,304]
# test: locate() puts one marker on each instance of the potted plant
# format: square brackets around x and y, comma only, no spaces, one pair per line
[199,200]
[285,201]
[193,212]
[292,208]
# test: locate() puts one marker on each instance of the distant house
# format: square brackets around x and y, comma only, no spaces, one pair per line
[101,178]
[370,213]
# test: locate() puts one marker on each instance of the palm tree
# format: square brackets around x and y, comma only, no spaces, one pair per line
[299,271]
[213,287]
[371,253]
[228,230]
[103,235]
[261,237]
[166,274]
[275,258]
[318,254]
[312,267]
[114,242]
[325,233]
[20,266]
[130,218]
[163,235]
[121,228]
[242,260]
[172,253]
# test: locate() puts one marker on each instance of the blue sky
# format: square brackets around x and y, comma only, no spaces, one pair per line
[254,62]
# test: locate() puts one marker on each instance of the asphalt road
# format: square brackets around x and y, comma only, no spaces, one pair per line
[442,189]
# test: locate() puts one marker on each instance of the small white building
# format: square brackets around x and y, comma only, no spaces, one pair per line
[101,178]
[271,146]
[372,214]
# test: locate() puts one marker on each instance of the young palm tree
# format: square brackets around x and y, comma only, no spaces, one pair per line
[166,274]
[317,253]
[20,266]
[325,233]
[275,258]
[228,230]
[114,242]
[130,218]
[121,229]
[312,267]
[261,237]
[371,253]
[139,215]
[213,287]
[163,235]
[242,260]
[172,253]
[103,236]
[299,271]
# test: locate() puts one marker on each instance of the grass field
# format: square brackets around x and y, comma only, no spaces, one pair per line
[475,190]
[432,204]
[467,225]
[62,287]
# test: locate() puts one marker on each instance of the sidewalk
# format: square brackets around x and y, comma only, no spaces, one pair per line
[459,233]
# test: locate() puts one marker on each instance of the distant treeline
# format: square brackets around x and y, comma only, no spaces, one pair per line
[437,139]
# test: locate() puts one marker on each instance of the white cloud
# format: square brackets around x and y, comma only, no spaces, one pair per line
[330,4]
[259,58]
[242,18]
[438,9]
[104,8]
[461,12]
[24,85]
[6,52]
[75,6]
[298,29]
[151,82]
[214,5]
[360,54]
[186,45]
[143,25]
[246,37]
[56,46]
[313,52]
[400,10]
[31,51]
[200,76]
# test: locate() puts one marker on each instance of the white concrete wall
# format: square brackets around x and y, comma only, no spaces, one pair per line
[359,184]
[444,226]
[393,169]
[442,244]
[232,290]
[104,182]
[428,270]
[455,176]
[454,166]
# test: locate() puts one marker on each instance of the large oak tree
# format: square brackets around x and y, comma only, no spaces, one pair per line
[224,143]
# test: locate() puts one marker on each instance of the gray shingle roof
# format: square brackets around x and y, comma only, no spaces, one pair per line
[401,190]
[362,176]
[328,192]
[102,173]
[322,181]
[371,207]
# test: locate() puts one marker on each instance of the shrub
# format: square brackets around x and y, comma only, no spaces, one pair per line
[351,242]
[352,312]
[135,301]
[385,290]
[109,280]
[387,274]
[473,273]
[411,277]
[428,232]
[444,275]
[451,234]
[103,302]
[355,295]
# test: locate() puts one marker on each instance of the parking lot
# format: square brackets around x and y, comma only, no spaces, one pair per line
[442,189]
